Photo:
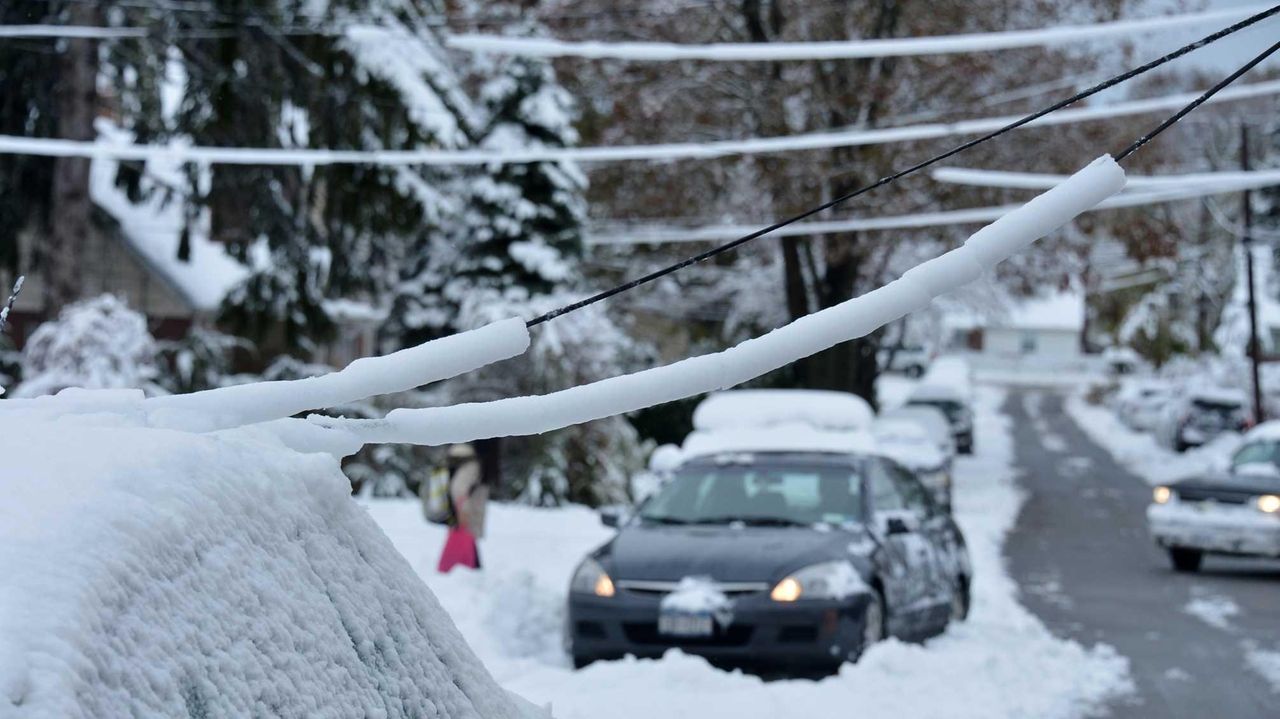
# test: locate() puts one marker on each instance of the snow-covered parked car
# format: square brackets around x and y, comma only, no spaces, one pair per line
[911,360]
[910,444]
[750,408]
[1198,415]
[954,405]
[932,420]
[1140,403]
[782,548]
[163,573]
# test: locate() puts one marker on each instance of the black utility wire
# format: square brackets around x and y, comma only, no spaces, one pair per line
[1104,85]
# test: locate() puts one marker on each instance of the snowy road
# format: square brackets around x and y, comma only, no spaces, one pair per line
[1200,645]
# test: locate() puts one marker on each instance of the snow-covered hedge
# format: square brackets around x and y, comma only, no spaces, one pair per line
[153,572]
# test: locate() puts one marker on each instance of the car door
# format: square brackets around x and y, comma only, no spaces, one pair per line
[900,558]
[933,544]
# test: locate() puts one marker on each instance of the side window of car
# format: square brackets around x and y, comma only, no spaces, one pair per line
[914,494]
[885,496]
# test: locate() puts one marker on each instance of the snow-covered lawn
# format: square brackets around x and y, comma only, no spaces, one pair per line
[1002,662]
[1141,454]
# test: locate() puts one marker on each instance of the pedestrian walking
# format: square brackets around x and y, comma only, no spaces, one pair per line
[468,495]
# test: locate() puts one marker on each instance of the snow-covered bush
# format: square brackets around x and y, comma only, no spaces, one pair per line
[98,343]
[153,572]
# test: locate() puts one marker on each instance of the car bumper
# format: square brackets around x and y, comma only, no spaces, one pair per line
[762,633]
[1229,529]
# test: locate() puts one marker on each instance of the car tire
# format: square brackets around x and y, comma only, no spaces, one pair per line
[960,601]
[873,622]
[1186,560]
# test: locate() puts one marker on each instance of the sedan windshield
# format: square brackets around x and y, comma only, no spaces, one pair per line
[1264,454]
[779,495]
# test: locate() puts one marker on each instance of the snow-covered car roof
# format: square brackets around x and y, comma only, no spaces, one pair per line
[130,554]
[930,418]
[1217,395]
[793,437]
[743,408]
[908,443]
[1265,432]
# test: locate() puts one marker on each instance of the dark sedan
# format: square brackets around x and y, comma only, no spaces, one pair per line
[791,561]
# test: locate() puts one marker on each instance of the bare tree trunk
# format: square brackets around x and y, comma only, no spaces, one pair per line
[70,207]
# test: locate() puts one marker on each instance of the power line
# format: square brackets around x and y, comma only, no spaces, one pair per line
[1123,77]
[835,50]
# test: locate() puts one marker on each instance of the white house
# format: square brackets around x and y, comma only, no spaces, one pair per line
[1044,329]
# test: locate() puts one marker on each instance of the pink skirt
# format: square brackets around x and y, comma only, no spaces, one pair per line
[459,550]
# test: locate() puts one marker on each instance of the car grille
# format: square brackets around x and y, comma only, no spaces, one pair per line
[662,588]
[1221,496]
[735,635]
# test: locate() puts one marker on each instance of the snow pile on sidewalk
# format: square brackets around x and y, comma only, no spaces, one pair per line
[150,572]
[1141,454]
[1002,662]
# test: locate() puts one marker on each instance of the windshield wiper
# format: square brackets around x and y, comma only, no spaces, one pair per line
[752,521]
[656,519]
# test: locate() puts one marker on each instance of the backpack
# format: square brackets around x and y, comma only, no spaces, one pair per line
[436,503]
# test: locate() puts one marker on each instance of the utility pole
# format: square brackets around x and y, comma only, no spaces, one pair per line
[1246,241]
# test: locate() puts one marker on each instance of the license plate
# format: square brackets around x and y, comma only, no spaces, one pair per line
[685,625]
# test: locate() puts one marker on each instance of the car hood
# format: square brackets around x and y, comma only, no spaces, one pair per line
[1226,487]
[747,554]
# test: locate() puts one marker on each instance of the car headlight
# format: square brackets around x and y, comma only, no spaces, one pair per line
[1268,503]
[1162,495]
[591,579]
[828,580]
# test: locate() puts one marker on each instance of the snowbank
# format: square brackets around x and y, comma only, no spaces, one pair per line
[1002,662]
[151,572]
[1141,454]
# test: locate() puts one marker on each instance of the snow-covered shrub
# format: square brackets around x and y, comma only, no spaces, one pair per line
[153,572]
[201,360]
[98,343]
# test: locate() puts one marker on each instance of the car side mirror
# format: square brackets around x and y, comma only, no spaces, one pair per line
[611,517]
[896,525]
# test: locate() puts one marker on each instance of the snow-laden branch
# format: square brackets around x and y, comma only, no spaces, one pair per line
[891,47]
[1209,182]
[71,31]
[179,152]
[802,338]
[1156,194]
[240,405]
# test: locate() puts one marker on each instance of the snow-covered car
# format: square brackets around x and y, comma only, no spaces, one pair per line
[794,558]
[954,405]
[934,423]
[1122,361]
[911,445]
[1201,414]
[911,360]
[1140,403]
[1231,514]
[750,408]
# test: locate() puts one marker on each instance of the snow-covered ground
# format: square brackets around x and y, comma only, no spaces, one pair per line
[1141,454]
[1002,662]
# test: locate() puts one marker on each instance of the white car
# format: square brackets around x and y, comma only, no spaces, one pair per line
[910,444]
[934,423]
[1140,404]
[911,360]
[954,405]
[1237,513]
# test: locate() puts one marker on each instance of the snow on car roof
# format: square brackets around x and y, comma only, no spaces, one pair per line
[1221,395]
[129,555]
[1267,431]
[743,408]
[793,437]
[936,392]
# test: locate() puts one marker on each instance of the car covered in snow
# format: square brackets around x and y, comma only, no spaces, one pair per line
[911,360]
[954,405]
[932,420]
[1199,415]
[911,445]
[778,548]
[1140,403]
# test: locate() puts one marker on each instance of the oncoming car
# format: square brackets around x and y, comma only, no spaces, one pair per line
[1236,513]
[788,560]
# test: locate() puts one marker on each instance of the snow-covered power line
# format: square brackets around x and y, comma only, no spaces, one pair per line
[845,49]
[919,220]
[10,144]
[70,31]
[1212,182]
[803,337]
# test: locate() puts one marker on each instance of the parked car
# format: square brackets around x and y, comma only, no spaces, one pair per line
[1140,403]
[772,556]
[910,444]
[932,420]
[1234,513]
[954,405]
[911,360]
[1200,415]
